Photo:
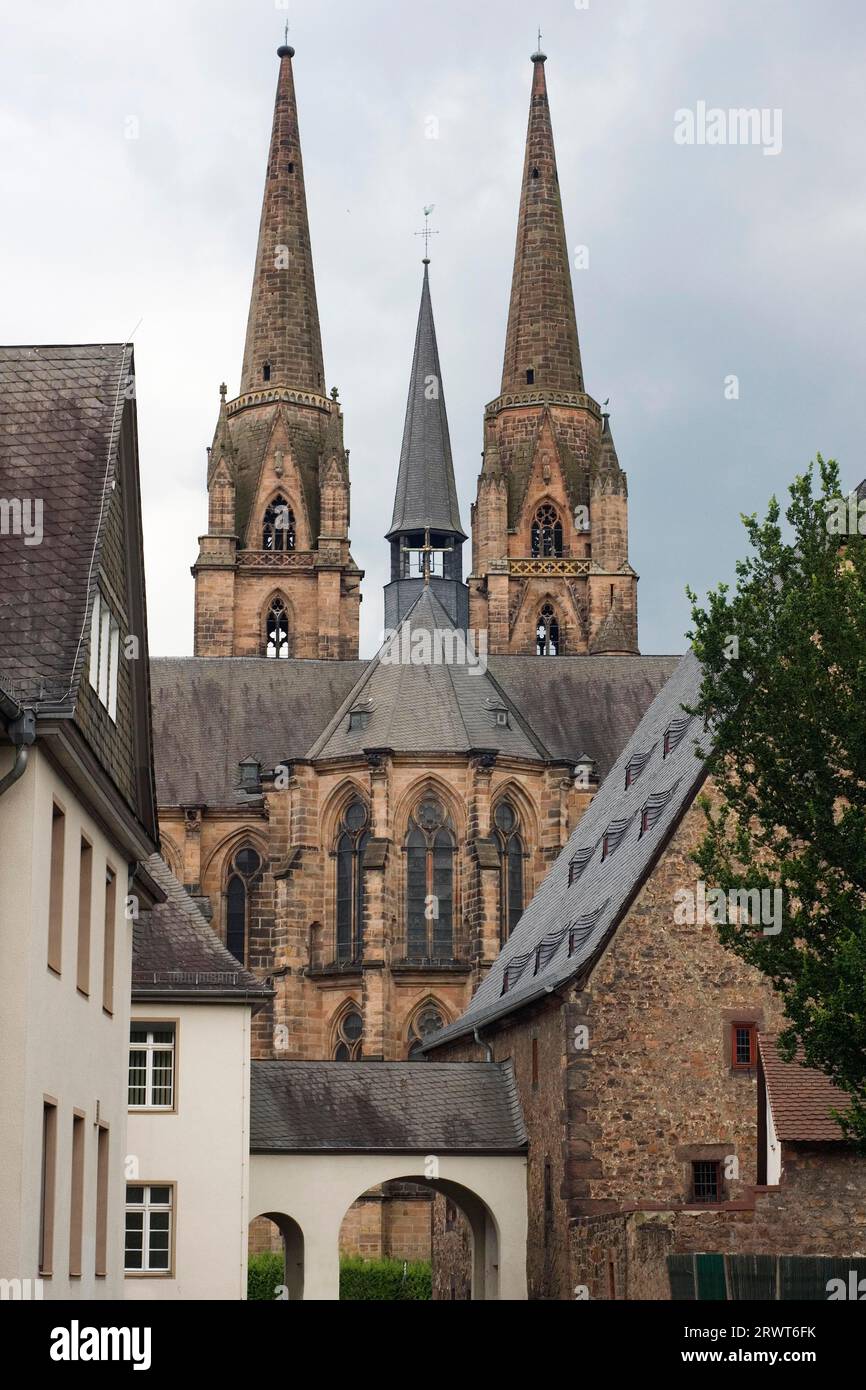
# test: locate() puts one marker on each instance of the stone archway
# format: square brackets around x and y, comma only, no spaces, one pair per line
[293,1252]
[489,1189]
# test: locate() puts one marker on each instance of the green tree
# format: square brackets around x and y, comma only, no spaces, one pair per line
[784,691]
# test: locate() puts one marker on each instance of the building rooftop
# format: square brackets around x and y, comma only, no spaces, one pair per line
[801,1098]
[405,1107]
[607,859]
[175,953]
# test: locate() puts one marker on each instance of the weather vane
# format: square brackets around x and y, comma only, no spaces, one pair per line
[538,50]
[426,234]
[286,39]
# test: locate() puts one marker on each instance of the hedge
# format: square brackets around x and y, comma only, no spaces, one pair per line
[366,1280]
[265,1274]
[388,1280]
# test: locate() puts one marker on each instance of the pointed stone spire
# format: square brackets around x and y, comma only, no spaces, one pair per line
[541,346]
[607,456]
[283,344]
[426,494]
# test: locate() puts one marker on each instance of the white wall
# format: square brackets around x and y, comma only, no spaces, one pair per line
[203,1148]
[316,1191]
[774,1150]
[54,1041]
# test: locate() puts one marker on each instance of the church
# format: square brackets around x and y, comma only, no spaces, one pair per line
[366,834]
[457,861]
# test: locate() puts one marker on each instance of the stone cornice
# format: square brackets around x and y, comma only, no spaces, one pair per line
[513,400]
[275,394]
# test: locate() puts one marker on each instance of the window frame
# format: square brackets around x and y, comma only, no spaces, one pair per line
[147,1208]
[104,665]
[354,1046]
[430,835]
[504,841]
[151,1025]
[694,1199]
[752,1029]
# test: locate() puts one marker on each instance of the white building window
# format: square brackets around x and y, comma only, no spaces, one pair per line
[104,653]
[148,1229]
[151,1066]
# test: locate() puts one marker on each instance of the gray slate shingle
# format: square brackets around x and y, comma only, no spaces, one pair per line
[175,951]
[209,712]
[426,494]
[60,410]
[405,1107]
[582,914]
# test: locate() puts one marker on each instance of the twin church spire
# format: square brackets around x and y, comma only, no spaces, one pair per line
[549,556]
[284,343]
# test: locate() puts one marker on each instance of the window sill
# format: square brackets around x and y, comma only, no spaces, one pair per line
[449,967]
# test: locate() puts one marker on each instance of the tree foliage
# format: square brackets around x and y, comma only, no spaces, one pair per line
[784,690]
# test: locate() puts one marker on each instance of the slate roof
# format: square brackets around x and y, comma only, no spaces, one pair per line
[583,704]
[801,1098]
[60,414]
[175,954]
[209,712]
[404,1107]
[566,923]
[433,707]
[426,494]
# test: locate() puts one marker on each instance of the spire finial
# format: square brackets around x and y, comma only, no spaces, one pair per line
[427,233]
[538,56]
[285,49]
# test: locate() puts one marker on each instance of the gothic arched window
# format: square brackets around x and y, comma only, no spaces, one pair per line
[430,846]
[278,527]
[348,1035]
[244,867]
[277,629]
[547,632]
[511,856]
[546,532]
[352,840]
[428,1019]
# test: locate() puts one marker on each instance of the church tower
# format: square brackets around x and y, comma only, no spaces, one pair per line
[550,571]
[274,576]
[425,536]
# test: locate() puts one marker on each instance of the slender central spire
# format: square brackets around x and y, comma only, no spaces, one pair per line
[426,494]
[283,343]
[541,346]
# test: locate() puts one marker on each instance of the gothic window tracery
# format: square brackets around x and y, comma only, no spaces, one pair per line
[428,1019]
[278,526]
[245,866]
[348,1035]
[546,532]
[512,852]
[547,632]
[429,848]
[352,839]
[277,630]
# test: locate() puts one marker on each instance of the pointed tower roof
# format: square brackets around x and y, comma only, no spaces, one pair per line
[542,328]
[283,325]
[426,494]
[607,455]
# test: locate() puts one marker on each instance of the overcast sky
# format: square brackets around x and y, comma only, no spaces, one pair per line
[704,261]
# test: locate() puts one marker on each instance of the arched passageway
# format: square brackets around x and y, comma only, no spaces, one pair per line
[324,1133]
[490,1191]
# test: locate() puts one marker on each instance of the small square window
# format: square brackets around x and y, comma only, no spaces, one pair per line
[744,1046]
[359,718]
[706,1181]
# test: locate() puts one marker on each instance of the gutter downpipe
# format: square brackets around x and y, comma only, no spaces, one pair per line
[476,1033]
[21,731]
